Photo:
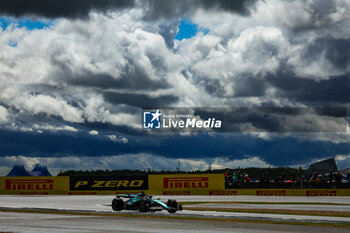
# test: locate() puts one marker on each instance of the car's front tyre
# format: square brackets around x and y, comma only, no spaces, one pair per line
[173,205]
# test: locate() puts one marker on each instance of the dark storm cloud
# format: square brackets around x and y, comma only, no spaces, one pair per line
[168,31]
[248,87]
[140,100]
[277,119]
[337,51]
[238,6]
[106,81]
[329,92]
[319,13]
[244,86]
[133,77]
[81,8]
[60,8]
[334,91]
[214,87]
[178,8]
[167,9]
[234,119]
[108,128]
[279,152]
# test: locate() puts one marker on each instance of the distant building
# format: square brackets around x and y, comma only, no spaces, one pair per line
[38,170]
[18,170]
[324,166]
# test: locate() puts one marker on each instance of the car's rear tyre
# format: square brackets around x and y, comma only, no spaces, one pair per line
[144,205]
[173,204]
[117,204]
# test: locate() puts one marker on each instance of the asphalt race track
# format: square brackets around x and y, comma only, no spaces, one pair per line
[94,214]
[34,223]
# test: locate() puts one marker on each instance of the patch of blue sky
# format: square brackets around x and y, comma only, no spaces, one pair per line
[12,43]
[28,23]
[188,29]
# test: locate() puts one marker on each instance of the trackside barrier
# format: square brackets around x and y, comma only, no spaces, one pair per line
[187,184]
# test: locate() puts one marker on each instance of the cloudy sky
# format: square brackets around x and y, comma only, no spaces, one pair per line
[74,76]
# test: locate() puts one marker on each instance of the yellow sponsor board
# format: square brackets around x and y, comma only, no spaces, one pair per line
[197,184]
[34,185]
[186,184]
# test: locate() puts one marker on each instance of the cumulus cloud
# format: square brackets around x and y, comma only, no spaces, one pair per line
[40,128]
[71,74]
[93,132]
[254,161]
[55,128]
[51,106]
[305,26]
[3,115]
[119,139]
[236,69]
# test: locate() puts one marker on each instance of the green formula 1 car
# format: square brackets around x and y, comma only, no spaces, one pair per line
[143,203]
